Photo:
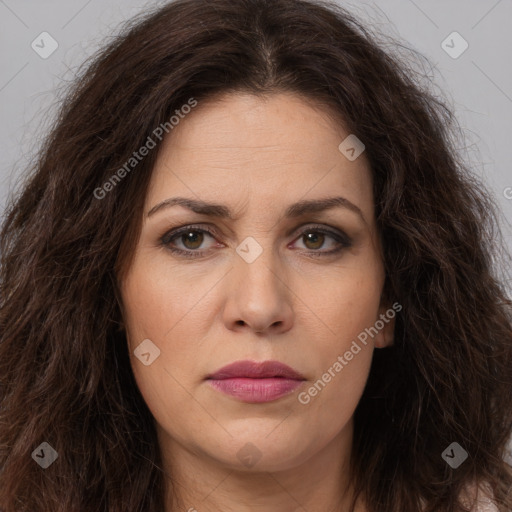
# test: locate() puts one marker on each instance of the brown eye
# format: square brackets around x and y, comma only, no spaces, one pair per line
[192,239]
[320,241]
[313,240]
[189,240]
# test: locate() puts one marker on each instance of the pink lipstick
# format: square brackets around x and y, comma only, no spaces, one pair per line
[254,382]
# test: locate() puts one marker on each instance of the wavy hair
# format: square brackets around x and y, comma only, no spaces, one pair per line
[65,375]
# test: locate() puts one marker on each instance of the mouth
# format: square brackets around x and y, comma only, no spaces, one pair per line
[256,382]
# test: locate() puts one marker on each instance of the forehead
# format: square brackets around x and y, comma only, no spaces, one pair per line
[242,147]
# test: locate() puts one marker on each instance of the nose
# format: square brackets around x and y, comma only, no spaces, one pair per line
[258,296]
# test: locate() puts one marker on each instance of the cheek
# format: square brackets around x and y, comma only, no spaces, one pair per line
[329,402]
[163,307]
[157,300]
[347,307]
[157,311]
[347,303]
[175,313]
[330,399]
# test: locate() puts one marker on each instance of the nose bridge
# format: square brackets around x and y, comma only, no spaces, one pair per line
[256,264]
[258,295]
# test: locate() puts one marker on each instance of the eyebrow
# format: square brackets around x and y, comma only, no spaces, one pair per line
[294,210]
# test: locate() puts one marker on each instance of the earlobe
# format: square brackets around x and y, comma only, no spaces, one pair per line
[385,324]
[383,340]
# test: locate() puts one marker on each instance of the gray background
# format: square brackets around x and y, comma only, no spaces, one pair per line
[477,84]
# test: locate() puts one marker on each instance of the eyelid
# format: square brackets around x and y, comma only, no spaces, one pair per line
[338,235]
[176,232]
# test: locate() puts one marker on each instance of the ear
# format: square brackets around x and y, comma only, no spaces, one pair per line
[385,324]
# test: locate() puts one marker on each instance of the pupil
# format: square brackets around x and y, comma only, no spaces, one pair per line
[191,237]
[312,237]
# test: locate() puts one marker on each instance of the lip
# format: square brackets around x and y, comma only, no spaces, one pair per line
[256,382]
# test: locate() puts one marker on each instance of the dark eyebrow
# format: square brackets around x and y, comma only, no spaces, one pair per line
[294,210]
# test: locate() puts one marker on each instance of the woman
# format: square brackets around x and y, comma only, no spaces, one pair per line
[249,272]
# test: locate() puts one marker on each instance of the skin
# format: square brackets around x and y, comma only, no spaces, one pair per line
[256,156]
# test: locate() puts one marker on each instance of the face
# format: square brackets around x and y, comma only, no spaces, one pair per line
[262,276]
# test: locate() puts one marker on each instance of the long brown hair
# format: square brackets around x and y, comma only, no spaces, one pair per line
[65,375]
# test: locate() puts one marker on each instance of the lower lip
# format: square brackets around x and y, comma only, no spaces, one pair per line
[256,390]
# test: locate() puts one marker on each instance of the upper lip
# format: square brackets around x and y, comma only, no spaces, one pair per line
[256,370]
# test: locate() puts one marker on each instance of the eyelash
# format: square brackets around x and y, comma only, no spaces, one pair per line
[342,239]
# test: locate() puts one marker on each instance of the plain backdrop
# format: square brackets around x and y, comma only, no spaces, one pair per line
[477,83]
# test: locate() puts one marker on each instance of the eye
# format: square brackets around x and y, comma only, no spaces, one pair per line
[190,237]
[187,241]
[315,237]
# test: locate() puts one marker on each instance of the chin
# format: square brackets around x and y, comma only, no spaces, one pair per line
[265,452]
